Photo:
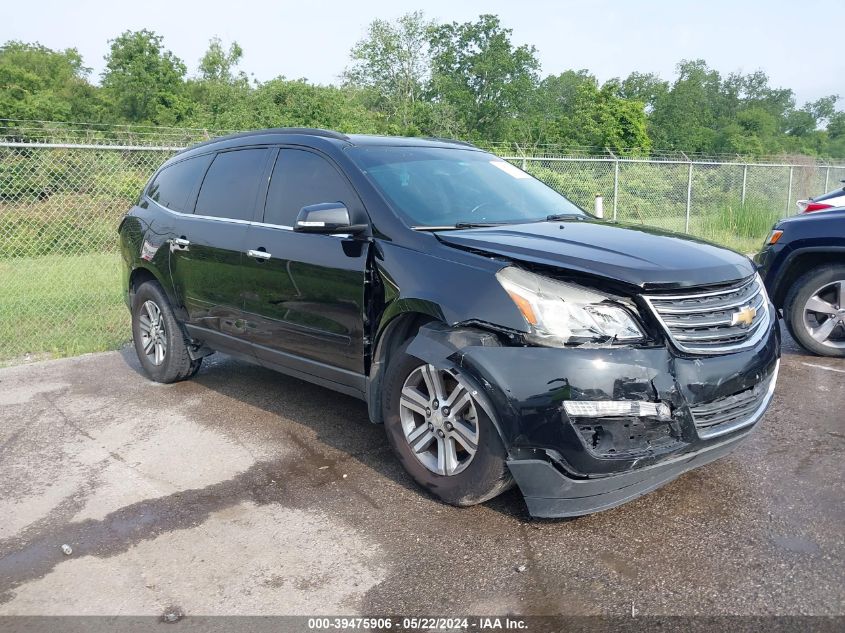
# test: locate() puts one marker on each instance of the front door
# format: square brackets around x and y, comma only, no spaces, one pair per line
[304,293]
[207,255]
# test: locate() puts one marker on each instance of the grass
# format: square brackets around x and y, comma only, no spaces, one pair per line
[61,305]
[739,227]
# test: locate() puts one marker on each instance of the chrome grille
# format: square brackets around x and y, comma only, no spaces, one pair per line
[709,321]
[733,412]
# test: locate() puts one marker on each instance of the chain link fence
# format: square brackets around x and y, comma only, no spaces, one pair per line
[60,291]
[731,203]
[60,205]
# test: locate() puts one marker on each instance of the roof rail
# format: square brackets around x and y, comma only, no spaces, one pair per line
[309,131]
[443,139]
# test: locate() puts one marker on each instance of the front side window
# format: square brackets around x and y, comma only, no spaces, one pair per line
[231,184]
[174,184]
[300,179]
[431,187]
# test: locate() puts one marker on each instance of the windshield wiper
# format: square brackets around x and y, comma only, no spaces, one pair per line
[565,216]
[478,225]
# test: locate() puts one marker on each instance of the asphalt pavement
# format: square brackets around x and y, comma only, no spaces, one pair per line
[247,492]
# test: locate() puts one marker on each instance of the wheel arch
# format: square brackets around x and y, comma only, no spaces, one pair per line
[799,263]
[394,331]
[140,274]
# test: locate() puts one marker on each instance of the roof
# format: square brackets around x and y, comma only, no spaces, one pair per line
[330,135]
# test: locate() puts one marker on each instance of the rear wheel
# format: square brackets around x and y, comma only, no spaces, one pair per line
[441,434]
[815,311]
[160,343]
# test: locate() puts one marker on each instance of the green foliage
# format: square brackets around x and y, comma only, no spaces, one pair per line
[217,64]
[143,80]
[390,69]
[478,72]
[281,102]
[411,76]
[571,109]
[42,84]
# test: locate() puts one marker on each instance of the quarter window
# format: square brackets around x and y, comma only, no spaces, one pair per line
[301,179]
[174,184]
[231,184]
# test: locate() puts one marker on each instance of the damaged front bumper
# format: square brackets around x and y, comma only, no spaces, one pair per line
[690,411]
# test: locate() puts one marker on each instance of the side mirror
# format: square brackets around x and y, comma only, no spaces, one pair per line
[328,218]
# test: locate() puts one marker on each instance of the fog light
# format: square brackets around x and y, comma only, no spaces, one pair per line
[616,409]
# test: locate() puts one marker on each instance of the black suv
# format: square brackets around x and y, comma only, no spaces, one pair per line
[498,331]
[803,266]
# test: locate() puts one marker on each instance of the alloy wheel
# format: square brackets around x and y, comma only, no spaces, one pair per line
[153,333]
[439,419]
[824,315]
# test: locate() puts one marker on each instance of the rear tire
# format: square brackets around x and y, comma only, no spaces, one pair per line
[822,288]
[475,478]
[160,342]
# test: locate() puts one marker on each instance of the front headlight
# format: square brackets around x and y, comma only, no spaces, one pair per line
[560,313]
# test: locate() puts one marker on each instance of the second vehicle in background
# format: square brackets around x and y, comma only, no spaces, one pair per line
[830,200]
[803,267]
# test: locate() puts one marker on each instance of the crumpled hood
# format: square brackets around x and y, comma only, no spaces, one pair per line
[641,256]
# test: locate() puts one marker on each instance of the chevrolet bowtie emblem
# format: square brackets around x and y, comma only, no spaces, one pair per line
[744,316]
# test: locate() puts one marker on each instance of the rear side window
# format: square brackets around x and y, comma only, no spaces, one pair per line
[231,184]
[300,179]
[174,184]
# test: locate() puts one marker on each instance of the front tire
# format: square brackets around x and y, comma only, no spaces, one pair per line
[160,342]
[441,434]
[815,311]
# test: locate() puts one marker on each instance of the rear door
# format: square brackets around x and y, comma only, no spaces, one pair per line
[304,292]
[207,255]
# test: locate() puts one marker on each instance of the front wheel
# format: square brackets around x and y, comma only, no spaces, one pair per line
[815,311]
[158,337]
[441,433]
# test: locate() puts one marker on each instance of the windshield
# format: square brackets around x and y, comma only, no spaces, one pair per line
[439,187]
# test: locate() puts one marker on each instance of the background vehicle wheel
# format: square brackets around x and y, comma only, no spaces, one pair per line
[159,340]
[441,434]
[815,311]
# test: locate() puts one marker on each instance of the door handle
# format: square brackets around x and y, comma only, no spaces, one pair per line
[259,255]
[179,244]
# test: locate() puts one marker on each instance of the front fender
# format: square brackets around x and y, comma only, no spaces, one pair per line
[454,290]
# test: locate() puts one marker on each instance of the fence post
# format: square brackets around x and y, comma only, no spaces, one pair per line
[524,164]
[826,178]
[689,197]
[615,187]
[789,191]
[744,182]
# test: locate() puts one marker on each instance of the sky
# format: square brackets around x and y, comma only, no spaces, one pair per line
[610,38]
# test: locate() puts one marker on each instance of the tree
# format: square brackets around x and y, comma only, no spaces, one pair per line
[571,109]
[481,75]
[219,97]
[684,117]
[644,87]
[144,80]
[218,65]
[297,103]
[836,125]
[39,83]
[392,65]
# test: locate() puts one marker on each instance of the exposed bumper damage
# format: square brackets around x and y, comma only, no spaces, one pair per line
[567,465]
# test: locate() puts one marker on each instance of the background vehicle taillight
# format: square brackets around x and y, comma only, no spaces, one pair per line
[807,206]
